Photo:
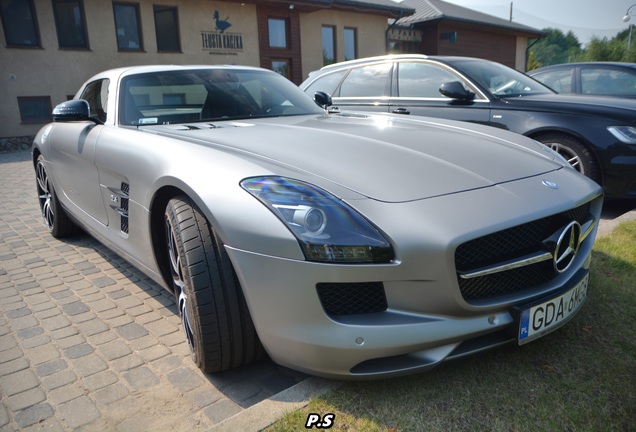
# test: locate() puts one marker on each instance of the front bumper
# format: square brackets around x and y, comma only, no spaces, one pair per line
[426,320]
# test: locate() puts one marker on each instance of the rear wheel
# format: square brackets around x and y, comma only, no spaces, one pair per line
[574,151]
[55,218]
[214,314]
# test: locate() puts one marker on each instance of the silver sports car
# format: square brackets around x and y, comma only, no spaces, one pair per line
[342,245]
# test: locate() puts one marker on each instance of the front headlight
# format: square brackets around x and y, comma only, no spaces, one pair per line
[327,229]
[626,134]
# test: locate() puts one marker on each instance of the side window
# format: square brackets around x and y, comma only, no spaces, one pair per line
[366,81]
[560,81]
[326,83]
[422,80]
[96,94]
[608,82]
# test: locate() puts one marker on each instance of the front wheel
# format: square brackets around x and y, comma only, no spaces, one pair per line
[574,151]
[214,314]
[54,216]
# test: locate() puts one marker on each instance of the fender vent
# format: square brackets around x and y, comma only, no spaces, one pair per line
[125,189]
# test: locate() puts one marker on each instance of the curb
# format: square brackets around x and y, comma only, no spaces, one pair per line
[267,412]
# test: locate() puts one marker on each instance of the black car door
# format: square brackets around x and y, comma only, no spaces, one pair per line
[415,91]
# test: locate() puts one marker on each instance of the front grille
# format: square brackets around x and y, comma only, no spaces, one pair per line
[352,298]
[511,244]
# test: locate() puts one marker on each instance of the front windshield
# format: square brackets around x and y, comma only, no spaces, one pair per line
[500,80]
[214,94]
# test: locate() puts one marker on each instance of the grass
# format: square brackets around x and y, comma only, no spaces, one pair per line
[580,378]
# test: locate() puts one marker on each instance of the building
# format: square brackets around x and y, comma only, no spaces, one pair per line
[441,28]
[52,46]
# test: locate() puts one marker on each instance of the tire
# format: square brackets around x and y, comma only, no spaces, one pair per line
[214,314]
[575,152]
[55,218]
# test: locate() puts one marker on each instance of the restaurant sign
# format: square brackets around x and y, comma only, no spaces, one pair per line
[220,42]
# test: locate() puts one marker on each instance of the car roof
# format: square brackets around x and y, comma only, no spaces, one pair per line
[118,73]
[578,64]
[392,57]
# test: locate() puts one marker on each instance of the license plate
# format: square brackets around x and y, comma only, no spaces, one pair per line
[549,315]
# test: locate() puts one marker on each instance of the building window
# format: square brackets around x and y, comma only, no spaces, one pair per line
[128,26]
[281,67]
[19,23]
[70,24]
[35,109]
[167,29]
[328,45]
[350,43]
[277,32]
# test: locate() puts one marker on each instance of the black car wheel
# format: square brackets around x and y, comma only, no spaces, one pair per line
[214,314]
[55,218]
[574,152]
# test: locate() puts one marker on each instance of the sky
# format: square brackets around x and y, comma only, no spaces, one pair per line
[585,18]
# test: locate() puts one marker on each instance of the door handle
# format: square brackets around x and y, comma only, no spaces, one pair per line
[401,111]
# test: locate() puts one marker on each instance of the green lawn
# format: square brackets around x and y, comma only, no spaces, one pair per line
[580,378]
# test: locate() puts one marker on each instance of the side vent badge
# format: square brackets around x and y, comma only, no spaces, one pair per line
[550,184]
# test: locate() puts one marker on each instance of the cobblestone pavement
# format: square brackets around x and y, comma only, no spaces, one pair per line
[87,342]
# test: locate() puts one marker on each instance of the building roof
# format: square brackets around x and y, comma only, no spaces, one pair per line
[434,10]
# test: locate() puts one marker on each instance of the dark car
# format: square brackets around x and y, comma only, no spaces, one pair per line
[596,135]
[593,78]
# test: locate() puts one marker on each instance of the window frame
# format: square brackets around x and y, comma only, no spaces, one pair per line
[80,3]
[139,28]
[24,119]
[36,29]
[285,21]
[325,44]
[354,32]
[175,16]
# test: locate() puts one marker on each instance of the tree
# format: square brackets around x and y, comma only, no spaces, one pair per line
[556,47]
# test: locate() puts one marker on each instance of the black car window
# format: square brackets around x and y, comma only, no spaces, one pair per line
[500,80]
[608,82]
[96,94]
[422,80]
[559,80]
[326,83]
[366,81]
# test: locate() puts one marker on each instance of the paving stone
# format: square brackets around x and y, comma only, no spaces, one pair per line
[24,322]
[64,332]
[153,353]
[11,354]
[102,338]
[120,321]
[184,379]
[90,328]
[205,396]
[51,367]
[103,282]
[114,350]
[33,415]
[166,364]
[78,412]
[141,378]
[111,394]
[59,379]
[79,350]
[55,323]
[42,353]
[18,382]
[131,331]
[65,393]
[126,363]
[99,380]
[143,343]
[7,342]
[13,366]
[17,313]
[162,327]
[242,391]
[102,305]
[4,416]
[70,341]
[88,365]
[25,399]
[36,341]
[75,308]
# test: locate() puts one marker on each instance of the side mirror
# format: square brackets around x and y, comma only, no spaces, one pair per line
[322,99]
[456,90]
[73,110]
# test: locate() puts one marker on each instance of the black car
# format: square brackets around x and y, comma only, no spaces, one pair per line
[593,78]
[596,135]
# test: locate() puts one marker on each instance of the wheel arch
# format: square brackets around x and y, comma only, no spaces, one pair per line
[536,134]
[158,207]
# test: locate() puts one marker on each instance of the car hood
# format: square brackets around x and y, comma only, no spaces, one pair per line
[599,106]
[381,157]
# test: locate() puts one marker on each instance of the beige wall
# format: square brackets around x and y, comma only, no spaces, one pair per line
[520,60]
[370,33]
